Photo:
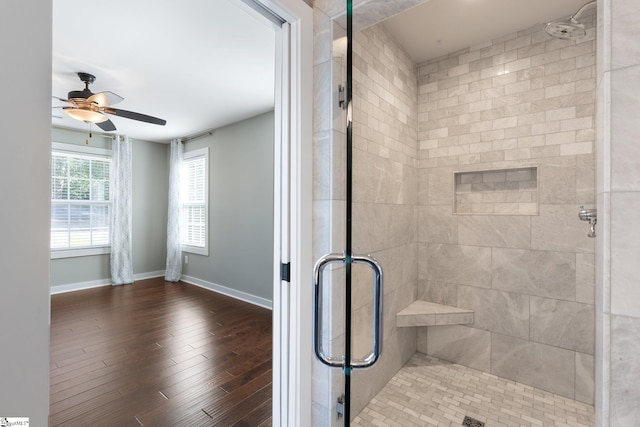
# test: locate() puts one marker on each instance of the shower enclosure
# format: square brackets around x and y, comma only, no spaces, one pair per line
[468,174]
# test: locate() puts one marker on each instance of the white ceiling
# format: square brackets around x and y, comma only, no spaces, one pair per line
[198,64]
[202,64]
[438,27]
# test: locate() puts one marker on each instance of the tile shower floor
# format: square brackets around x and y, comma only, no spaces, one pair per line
[431,392]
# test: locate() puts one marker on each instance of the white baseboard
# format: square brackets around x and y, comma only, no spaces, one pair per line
[233,293]
[148,275]
[60,289]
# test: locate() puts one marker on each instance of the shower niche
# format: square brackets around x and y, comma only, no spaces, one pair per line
[497,191]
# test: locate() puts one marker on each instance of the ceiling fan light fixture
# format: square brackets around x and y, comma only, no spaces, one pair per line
[85,115]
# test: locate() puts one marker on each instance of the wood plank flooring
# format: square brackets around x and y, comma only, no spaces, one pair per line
[159,354]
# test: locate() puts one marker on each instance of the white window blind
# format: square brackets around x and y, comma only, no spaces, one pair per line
[194,199]
[79,200]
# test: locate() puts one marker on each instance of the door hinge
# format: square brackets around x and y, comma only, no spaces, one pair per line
[340,406]
[342,93]
[285,272]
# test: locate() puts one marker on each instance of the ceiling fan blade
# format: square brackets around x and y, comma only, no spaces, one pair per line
[104,99]
[135,116]
[60,99]
[106,126]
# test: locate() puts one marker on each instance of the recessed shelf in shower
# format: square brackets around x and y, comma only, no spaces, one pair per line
[497,192]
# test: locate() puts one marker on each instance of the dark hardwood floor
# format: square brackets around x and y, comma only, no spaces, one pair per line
[159,354]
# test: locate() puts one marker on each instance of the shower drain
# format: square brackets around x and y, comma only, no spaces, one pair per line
[472,422]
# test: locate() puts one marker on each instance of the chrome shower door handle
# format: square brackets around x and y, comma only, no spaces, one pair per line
[318,271]
[376,345]
[376,348]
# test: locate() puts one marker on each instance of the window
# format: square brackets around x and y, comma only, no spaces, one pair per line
[194,206]
[79,200]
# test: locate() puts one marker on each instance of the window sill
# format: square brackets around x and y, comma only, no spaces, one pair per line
[195,250]
[73,253]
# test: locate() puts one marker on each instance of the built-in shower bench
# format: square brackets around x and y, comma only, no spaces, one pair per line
[425,313]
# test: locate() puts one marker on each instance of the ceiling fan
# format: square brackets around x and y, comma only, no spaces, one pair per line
[92,107]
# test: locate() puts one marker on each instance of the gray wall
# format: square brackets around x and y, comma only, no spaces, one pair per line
[240,208]
[150,199]
[25,43]
[150,183]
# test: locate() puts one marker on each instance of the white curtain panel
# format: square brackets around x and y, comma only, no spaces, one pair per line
[174,248]
[121,212]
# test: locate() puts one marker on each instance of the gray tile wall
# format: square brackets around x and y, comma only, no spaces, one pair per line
[525,100]
[618,62]
[618,189]
[385,213]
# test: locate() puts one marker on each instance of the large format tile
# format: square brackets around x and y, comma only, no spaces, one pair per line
[585,378]
[502,312]
[438,292]
[328,227]
[460,344]
[625,371]
[625,150]
[328,166]
[494,230]
[440,185]
[625,250]
[541,273]
[586,180]
[377,180]
[585,278]
[549,368]
[437,224]
[558,228]
[322,97]
[625,51]
[381,226]
[399,265]
[557,181]
[563,324]
[462,265]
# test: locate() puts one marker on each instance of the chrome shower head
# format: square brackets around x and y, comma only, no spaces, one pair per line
[566,29]
[570,28]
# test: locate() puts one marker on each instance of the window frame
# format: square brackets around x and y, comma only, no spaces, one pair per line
[79,150]
[188,155]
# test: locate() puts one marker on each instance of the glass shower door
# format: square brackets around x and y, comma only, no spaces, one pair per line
[335,273]
[466,193]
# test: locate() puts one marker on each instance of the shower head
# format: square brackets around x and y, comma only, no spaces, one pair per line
[566,29]
[570,28]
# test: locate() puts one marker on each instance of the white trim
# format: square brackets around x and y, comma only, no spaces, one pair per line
[292,301]
[281,226]
[72,287]
[80,252]
[233,293]
[82,149]
[91,152]
[200,152]
[149,275]
[204,151]
[195,249]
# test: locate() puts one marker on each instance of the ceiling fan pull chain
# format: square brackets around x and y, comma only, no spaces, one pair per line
[90,135]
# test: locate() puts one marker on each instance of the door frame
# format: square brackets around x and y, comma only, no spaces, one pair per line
[292,213]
